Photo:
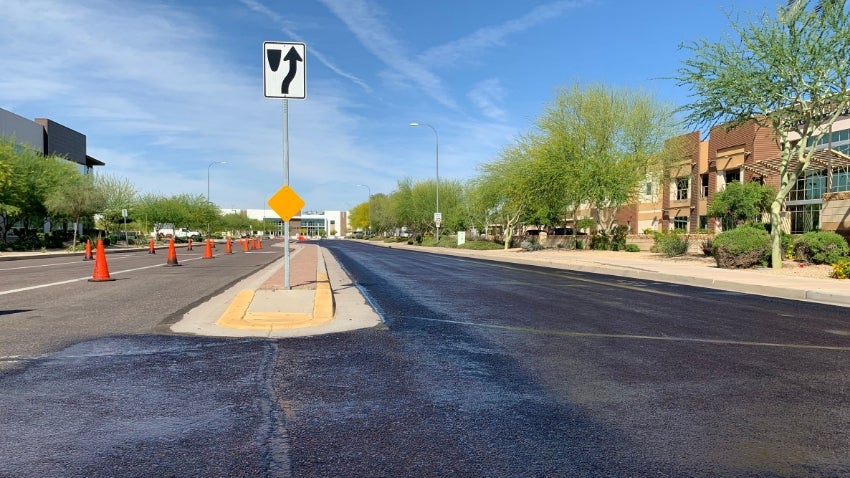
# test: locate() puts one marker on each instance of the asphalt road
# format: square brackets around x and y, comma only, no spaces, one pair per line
[485,369]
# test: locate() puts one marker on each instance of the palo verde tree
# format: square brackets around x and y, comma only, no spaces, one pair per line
[787,72]
[604,142]
[76,197]
[33,177]
[505,188]
[118,194]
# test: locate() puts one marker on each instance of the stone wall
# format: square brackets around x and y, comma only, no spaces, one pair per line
[835,213]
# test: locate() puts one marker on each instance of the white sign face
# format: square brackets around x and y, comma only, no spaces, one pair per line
[438,217]
[285,70]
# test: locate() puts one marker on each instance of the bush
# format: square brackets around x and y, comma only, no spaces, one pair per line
[821,247]
[600,242]
[671,243]
[742,247]
[618,237]
[632,248]
[841,269]
[531,244]
[707,246]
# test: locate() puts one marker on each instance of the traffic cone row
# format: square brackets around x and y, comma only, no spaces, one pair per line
[101,270]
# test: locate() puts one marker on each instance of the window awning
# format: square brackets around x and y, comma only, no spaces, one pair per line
[820,160]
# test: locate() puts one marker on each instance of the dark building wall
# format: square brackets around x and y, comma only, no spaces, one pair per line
[23,131]
[63,141]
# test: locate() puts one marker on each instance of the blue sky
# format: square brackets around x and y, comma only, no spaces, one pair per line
[162,89]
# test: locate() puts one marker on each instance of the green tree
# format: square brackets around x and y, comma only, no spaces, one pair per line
[118,194]
[788,73]
[741,203]
[33,178]
[359,216]
[505,187]
[598,144]
[75,198]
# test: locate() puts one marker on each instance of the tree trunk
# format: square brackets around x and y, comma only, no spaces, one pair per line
[776,233]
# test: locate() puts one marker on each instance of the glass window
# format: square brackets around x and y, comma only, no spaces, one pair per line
[804,218]
[733,175]
[680,223]
[682,188]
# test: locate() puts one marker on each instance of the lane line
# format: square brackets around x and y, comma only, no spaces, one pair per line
[664,338]
[51,284]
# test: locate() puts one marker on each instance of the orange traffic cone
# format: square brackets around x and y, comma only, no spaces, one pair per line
[101,270]
[208,251]
[189,245]
[260,243]
[228,246]
[172,255]
[88,256]
[245,247]
[152,247]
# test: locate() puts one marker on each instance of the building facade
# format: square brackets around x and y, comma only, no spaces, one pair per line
[820,199]
[332,224]
[48,137]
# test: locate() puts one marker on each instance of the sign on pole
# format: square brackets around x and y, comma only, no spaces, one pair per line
[285,70]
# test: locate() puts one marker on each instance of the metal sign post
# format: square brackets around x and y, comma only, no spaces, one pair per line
[284,78]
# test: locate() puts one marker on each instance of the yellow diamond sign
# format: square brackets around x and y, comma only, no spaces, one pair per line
[286,203]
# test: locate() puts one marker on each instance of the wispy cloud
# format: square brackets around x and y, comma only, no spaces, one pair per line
[365,21]
[494,36]
[289,29]
[486,95]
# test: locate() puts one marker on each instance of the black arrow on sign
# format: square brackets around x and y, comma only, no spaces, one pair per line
[293,58]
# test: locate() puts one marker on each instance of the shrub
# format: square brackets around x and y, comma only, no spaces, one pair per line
[671,243]
[707,246]
[742,247]
[531,244]
[618,237]
[632,248]
[600,242]
[821,247]
[841,269]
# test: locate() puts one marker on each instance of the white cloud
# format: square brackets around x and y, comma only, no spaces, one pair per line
[486,95]
[365,21]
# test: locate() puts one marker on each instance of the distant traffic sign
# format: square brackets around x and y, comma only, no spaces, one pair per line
[286,203]
[285,70]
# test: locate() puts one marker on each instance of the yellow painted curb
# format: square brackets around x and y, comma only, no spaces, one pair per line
[234,316]
[323,305]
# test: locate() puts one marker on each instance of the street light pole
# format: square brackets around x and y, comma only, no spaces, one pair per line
[437,156]
[370,205]
[208,188]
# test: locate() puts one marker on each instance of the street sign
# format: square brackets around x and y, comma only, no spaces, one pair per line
[438,218]
[285,70]
[286,203]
